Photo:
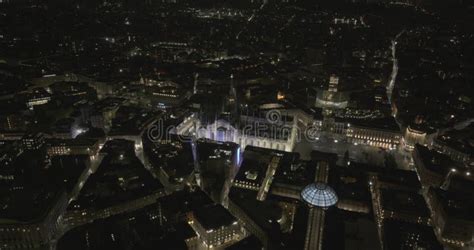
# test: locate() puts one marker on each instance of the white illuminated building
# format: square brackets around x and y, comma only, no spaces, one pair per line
[252,130]
[38,101]
[331,98]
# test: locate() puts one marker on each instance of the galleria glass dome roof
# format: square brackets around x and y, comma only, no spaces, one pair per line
[319,195]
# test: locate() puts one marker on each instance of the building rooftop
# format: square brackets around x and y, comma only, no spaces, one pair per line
[175,159]
[130,230]
[296,238]
[265,213]
[184,201]
[399,177]
[254,165]
[404,235]
[404,202]
[460,140]
[72,142]
[350,184]
[118,179]
[249,243]
[38,185]
[456,205]
[294,172]
[436,162]
[218,164]
[349,230]
[213,217]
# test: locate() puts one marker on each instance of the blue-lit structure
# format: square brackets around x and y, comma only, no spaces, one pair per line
[319,195]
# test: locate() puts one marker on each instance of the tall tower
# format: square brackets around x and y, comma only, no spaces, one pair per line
[333,83]
[233,102]
[196,76]
[232,92]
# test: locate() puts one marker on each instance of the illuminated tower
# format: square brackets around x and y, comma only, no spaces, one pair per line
[333,83]
[196,76]
[233,102]
[232,92]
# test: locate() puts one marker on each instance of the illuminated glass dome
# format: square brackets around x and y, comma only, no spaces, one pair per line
[319,195]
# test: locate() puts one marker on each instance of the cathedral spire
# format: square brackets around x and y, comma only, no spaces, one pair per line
[196,76]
